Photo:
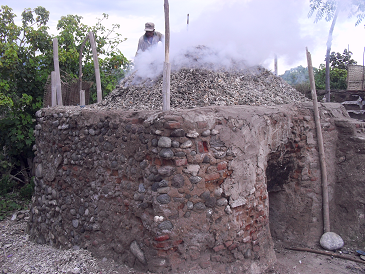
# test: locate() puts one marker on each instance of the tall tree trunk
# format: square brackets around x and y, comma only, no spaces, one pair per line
[329,44]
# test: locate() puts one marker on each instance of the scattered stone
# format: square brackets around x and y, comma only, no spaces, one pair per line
[199,206]
[163,199]
[186,144]
[178,181]
[164,142]
[198,87]
[166,153]
[331,241]
[192,134]
[195,179]
[192,169]
[137,252]
[165,225]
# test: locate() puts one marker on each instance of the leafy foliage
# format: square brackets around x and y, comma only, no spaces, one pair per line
[26,61]
[327,9]
[338,77]
[341,61]
[324,9]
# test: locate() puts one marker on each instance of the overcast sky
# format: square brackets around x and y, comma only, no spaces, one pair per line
[253,29]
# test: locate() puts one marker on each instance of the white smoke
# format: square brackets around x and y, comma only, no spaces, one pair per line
[247,33]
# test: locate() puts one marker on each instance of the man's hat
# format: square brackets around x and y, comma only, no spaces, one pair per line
[149,26]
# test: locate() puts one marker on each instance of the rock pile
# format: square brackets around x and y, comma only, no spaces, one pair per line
[198,87]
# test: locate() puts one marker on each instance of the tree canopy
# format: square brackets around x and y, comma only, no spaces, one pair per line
[26,61]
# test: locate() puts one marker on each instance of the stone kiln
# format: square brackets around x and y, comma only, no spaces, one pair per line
[164,191]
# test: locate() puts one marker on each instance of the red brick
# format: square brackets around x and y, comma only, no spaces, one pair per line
[64,167]
[181,162]
[162,238]
[222,166]
[162,245]
[172,125]
[202,147]
[212,177]
[219,248]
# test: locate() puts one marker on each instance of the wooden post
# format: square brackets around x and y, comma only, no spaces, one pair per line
[322,158]
[53,89]
[187,22]
[82,98]
[57,71]
[80,61]
[276,65]
[167,65]
[96,67]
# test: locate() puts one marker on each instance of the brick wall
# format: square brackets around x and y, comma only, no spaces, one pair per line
[161,191]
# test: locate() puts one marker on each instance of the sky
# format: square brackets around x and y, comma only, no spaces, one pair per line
[251,30]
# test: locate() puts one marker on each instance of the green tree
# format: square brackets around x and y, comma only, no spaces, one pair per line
[338,77]
[338,70]
[112,66]
[341,61]
[296,75]
[329,10]
[26,61]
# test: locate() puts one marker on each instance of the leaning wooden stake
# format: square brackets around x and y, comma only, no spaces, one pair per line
[332,254]
[326,215]
[57,70]
[167,65]
[96,67]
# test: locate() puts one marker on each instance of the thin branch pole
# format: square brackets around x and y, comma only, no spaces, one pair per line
[322,158]
[15,178]
[332,254]
[96,67]
[57,70]
[167,65]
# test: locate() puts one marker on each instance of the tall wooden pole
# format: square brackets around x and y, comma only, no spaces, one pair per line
[167,65]
[57,70]
[80,61]
[276,65]
[96,67]
[53,89]
[187,22]
[322,158]
[328,52]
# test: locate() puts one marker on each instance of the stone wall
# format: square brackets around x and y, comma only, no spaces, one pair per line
[161,191]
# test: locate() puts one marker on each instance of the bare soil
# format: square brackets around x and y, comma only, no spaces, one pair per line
[19,255]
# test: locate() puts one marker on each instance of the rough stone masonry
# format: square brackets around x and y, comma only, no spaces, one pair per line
[162,191]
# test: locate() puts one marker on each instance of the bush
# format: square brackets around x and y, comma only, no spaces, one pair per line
[304,88]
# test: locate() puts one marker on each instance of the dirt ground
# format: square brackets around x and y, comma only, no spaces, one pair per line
[19,255]
[295,262]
